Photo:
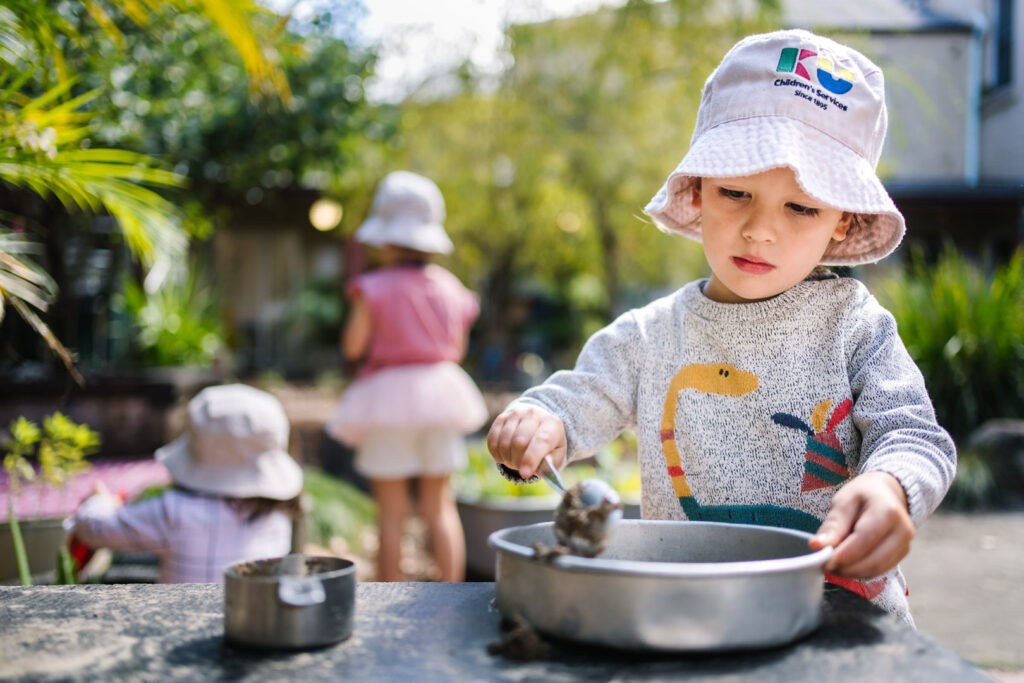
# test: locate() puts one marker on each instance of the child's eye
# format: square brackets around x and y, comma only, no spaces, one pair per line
[803,210]
[732,194]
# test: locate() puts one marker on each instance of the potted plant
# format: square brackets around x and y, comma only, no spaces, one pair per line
[488,502]
[60,448]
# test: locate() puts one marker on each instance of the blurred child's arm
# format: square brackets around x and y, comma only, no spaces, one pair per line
[869,525]
[356,337]
[521,437]
[103,522]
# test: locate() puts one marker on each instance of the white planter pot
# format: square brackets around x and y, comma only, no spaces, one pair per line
[43,539]
[480,518]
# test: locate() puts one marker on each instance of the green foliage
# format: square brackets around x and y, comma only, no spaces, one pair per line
[546,171]
[318,311]
[61,448]
[44,136]
[963,324]
[339,509]
[616,464]
[182,96]
[178,324]
[21,279]
[22,443]
[93,92]
[64,447]
[974,486]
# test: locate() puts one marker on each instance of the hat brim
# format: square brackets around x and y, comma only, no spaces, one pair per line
[429,238]
[273,474]
[825,169]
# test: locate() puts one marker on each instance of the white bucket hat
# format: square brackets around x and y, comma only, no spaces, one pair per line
[793,98]
[234,445]
[407,211]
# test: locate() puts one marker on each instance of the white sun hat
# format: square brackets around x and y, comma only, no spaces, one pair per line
[408,211]
[235,445]
[793,98]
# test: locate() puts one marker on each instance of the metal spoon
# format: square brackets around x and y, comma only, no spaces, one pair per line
[586,513]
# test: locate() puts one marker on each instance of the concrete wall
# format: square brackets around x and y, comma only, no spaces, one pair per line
[1002,117]
[927,80]
[261,271]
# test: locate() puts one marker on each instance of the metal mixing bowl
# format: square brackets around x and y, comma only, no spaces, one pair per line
[666,585]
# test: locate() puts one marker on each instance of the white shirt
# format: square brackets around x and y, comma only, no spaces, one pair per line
[195,537]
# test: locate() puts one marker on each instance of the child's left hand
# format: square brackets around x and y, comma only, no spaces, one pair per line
[869,526]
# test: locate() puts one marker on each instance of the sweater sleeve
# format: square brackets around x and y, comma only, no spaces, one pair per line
[894,413]
[596,400]
[142,526]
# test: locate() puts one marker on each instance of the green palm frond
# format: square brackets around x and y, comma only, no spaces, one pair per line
[26,286]
[43,136]
[105,179]
[233,18]
[38,151]
[34,29]
[13,44]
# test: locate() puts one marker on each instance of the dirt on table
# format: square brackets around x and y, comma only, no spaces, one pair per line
[519,642]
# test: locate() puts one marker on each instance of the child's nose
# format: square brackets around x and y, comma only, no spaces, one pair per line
[760,227]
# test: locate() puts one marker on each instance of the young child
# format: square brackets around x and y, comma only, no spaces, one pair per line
[411,404]
[773,392]
[235,494]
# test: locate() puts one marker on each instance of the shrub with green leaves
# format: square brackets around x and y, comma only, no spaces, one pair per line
[178,324]
[963,323]
[339,509]
[60,447]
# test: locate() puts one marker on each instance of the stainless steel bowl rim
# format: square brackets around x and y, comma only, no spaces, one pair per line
[230,571]
[816,558]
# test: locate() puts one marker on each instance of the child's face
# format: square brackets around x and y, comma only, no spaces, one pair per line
[762,234]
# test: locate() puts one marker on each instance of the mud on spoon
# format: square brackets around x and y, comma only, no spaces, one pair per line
[586,513]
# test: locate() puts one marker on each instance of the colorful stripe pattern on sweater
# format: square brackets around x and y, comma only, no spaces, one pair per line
[824,461]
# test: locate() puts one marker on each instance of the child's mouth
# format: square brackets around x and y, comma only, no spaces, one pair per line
[752,265]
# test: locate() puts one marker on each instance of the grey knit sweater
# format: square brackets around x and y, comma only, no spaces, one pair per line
[756,413]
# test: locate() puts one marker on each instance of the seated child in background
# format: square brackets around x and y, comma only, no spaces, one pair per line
[773,392]
[235,492]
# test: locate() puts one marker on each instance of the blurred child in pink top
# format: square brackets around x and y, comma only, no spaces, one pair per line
[411,405]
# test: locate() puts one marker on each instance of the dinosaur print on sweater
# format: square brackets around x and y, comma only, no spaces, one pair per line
[824,464]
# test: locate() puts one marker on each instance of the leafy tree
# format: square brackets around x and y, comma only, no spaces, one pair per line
[182,98]
[547,175]
[50,168]
[301,119]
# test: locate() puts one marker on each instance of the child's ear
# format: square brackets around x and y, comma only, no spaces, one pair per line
[843,226]
[695,195]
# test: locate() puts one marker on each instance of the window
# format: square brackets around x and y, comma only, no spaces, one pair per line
[1002,43]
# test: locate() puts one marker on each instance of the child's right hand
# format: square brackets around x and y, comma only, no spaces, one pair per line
[520,438]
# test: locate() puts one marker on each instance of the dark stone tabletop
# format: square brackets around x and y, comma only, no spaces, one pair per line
[416,632]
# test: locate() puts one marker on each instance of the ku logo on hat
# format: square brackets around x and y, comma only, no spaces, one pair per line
[832,78]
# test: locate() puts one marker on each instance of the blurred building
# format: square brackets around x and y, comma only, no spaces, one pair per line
[954,157]
[280,280]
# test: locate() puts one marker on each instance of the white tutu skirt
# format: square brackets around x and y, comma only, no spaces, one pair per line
[433,395]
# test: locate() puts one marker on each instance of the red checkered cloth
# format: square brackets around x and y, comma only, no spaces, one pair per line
[41,500]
